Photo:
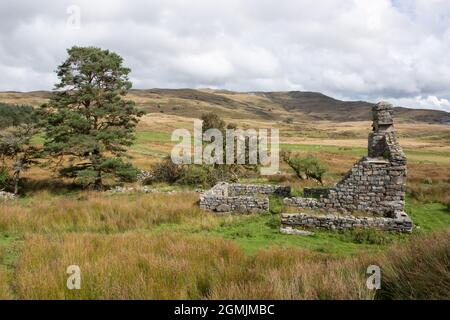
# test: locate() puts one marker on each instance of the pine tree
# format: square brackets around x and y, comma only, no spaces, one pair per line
[89,124]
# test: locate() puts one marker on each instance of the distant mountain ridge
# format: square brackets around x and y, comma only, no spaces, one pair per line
[276,106]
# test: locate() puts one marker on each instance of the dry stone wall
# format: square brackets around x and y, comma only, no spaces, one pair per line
[243,198]
[401,222]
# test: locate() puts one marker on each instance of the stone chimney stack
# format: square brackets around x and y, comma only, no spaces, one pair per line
[382,117]
[383,124]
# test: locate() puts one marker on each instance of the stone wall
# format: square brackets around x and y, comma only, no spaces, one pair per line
[314,192]
[236,189]
[400,223]
[376,184]
[243,198]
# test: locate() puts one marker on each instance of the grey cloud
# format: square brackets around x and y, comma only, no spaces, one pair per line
[357,49]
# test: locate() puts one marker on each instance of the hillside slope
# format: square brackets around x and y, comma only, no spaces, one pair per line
[275,106]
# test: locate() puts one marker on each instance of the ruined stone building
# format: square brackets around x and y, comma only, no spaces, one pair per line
[374,188]
[375,185]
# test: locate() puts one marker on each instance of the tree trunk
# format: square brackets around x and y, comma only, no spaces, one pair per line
[17,170]
[16,182]
[98,184]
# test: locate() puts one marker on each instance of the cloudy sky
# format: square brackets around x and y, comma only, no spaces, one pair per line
[397,50]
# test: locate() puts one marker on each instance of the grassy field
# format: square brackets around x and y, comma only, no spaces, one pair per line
[160,245]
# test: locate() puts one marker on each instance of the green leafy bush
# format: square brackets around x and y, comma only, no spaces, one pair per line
[197,175]
[308,167]
[166,171]
[194,174]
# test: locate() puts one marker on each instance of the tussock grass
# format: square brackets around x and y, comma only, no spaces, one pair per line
[424,192]
[97,212]
[296,274]
[179,266]
[429,183]
[176,266]
[128,266]
[5,293]
[418,270]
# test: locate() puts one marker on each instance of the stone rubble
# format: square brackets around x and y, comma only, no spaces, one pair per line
[144,176]
[120,189]
[298,232]
[7,195]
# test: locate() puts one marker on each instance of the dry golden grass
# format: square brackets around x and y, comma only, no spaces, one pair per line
[96,212]
[294,274]
[129,266]
[5,292]
[418,270]
[429,183]
[175,266]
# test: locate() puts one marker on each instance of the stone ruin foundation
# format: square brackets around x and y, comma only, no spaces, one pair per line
[375,186]
[244,198]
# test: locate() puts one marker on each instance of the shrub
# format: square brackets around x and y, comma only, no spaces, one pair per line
[5,179]
[212,121]
[308,167]
[196,175]
[166,171]
[15,115]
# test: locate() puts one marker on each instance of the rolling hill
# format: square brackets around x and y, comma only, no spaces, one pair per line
[276,106]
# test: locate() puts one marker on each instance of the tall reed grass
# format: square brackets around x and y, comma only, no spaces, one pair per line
[179,266]
[97,212]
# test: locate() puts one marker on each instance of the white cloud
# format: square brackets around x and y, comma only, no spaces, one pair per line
[359,49]
[430,102]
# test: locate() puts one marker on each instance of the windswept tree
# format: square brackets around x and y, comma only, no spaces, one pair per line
[17,153]
[308,167]
[89,123]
